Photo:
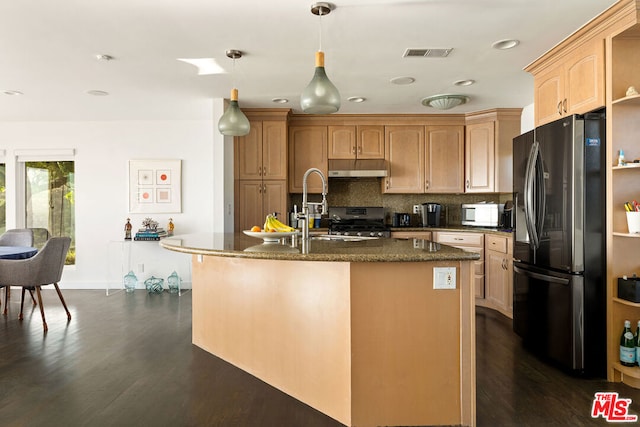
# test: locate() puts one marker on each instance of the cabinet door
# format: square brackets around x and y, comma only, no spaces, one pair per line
[584,74]
[496,287]
[274,199]
[249,153]
[342,142]
[444,162]
[548,95]
[274,150]
[370,142]
[307,149]
[404,151]
[480,158]
[249,205]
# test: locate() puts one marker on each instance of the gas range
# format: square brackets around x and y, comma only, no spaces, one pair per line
[358,221]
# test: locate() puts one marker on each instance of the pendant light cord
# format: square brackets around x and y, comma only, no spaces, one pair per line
[320,30]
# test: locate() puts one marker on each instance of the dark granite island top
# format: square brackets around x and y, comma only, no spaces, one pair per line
[369,250]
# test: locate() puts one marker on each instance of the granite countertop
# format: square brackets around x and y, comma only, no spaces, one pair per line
[460,228]
[372,250]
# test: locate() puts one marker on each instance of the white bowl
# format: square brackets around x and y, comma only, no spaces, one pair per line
[273,236]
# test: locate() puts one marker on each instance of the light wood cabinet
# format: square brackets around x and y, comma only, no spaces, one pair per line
[404,151]
[262,154]
[307,149]
[473,242]
[356,142]
[488,157]
[426,235]
[260,169]
[574,84]
[444,161]
[499,274]
[424,159]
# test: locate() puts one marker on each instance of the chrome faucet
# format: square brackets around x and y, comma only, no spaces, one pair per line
[304,216]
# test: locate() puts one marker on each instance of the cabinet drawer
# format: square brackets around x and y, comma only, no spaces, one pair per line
[497,243]
[460,239]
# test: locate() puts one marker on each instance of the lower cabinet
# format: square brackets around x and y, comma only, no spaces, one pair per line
[469,241]
[499,274]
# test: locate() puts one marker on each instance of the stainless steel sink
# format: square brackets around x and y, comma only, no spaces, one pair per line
[341,238]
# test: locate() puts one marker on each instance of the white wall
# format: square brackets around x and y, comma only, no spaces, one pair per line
[103,150]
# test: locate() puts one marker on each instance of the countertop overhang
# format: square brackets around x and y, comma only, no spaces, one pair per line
[376,250]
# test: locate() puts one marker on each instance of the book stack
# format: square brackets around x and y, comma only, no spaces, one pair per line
[150,234]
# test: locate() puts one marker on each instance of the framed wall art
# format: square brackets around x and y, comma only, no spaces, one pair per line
[154,186]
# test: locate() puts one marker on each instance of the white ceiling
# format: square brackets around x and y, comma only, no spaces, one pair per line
[48,49]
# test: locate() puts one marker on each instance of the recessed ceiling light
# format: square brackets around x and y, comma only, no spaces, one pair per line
[405,80]
[505,44]
[280,100]
[356,99]
[97,92]
[467,82]
[12,92]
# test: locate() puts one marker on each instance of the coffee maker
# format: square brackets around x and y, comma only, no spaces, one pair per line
[431,214]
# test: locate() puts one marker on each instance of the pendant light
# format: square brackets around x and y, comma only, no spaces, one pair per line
[320,96]
[233,122]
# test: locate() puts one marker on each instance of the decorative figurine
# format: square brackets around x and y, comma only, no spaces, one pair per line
[150,224]
[170,227]
[127,230]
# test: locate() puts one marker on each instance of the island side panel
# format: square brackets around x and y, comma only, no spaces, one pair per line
[408,362]
[285,322]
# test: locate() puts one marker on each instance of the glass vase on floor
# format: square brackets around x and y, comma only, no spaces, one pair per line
[130,282]
[154,285]
[174,283]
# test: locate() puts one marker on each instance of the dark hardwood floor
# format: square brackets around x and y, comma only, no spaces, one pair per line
[127,360]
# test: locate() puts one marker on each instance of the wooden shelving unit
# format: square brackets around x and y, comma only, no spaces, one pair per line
[623,182]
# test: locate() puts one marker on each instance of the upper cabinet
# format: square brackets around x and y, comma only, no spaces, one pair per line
[444,159]
[489,150]
[307,149]
[356,142]
[573,83]
[262,154]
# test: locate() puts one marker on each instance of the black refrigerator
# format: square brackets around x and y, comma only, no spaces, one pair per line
[559,289]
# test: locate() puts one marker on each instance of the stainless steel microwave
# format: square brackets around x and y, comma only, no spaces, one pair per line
[480,214]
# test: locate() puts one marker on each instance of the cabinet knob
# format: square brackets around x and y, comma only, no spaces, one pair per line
[359,150]
[559,108]
[467,183]
[564,105]
[426,184]
[264,171]
[353,150]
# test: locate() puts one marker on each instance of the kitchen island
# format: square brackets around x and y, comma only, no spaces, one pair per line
[355,329]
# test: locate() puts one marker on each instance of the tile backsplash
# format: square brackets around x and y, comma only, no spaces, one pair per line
[367,192]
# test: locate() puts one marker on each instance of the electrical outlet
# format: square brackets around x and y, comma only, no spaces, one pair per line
[416,209]
[444,278]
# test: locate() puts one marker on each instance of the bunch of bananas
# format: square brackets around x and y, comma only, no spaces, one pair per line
[273,224]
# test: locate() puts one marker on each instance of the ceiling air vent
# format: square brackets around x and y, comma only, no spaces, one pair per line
[427,53]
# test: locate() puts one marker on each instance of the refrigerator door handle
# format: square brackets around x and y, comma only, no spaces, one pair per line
[541,194]
[529,199]
[540,276]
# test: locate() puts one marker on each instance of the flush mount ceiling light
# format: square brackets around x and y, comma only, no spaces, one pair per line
[320,96]
[97,92]
[12,92]
[233,122]
[104,57]
[280,100]
[505,44]
[356,99]
[467,82]
[404,80]
[445,101]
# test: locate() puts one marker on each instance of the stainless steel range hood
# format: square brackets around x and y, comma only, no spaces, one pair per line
[358,168]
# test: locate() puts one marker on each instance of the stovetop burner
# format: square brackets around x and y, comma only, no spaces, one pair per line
[358,221]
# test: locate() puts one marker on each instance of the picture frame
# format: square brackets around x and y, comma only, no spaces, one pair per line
[155,186]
